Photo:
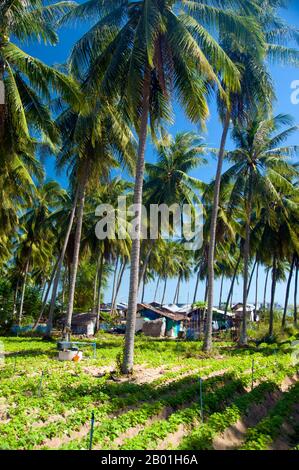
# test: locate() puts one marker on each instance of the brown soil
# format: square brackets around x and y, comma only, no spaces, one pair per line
[56,442]
[234,436]
[284,440]
[173,440]
[132,432]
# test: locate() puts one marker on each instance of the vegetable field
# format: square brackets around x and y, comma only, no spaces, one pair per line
[249,397]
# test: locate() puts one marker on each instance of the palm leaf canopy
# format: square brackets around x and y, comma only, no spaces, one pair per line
[173,40]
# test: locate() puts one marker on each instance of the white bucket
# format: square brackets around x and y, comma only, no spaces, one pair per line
[69,355]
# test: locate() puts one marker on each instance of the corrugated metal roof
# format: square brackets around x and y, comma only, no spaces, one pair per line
[162,312]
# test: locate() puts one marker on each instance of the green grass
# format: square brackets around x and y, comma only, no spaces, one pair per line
[42,398]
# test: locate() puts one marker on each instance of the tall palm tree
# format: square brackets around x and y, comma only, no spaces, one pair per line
[256,88]
[90,145]
[155,47]
[25,119]
[259,172]
[36,242]
[28,80]
[168,181]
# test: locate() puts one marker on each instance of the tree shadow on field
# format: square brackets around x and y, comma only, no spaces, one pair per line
[31,353]
[128,394]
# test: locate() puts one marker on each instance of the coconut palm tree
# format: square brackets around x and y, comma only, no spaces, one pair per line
[260,171]
[28,80]
[168,181]
[90,145]
[34,247]
[256,88]
[154,48]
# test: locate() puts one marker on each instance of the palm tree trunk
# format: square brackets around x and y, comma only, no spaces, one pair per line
[256,289]
[295,292]
[285,310]
[164,291]
[178,292]
[119,280]
[265,289]
[232,285]
[23,291]
[145,262]
[221,289]
[128,361]
[243,337]
[15,300]
[95,287]
[196,287]
[273,288]
[59,267]
[251,277]
[2,100]
[114,283]
[156,290]
[207,345]
[46,297]
[77,242]
[100,275]
[143,290]
[206,289]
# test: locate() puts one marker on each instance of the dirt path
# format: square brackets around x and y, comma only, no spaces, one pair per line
[56,442]
[234,436]
[173,440]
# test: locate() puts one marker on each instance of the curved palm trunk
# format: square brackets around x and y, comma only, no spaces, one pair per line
[15,300]
[221,290]
[207,345]
[206,289]
[145,263]
[46,297]
[156,290]
[273,288]
[95,287]
[243,337]
[196,287]
[128,361]
[23,292]
[2,99]
[143,290]
[285,310]
[256,289]
[178,292]
[295,293]
[100,275]
[75,263]
[164,291]
[59,267]
[265,289]
[230,293]
[119,280]
[251,277]
[114,283]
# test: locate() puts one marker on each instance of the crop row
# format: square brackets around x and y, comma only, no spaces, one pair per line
[202,437]
[261,436]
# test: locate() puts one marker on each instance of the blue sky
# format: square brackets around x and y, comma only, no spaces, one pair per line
[282,77]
